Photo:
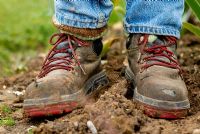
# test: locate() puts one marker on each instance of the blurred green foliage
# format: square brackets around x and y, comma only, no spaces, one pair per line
[25,26]
[195,7]
[118,11]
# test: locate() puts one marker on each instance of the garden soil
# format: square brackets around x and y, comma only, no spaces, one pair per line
[112,110]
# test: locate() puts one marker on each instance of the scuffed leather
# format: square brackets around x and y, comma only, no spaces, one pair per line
[156,82]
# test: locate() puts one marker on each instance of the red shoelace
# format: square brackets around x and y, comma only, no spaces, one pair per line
[62,62]
[159,50]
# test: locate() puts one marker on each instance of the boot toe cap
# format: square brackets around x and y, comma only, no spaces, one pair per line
[163,93]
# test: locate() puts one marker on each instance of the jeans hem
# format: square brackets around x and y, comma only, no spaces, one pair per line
[93,24]
[153,30]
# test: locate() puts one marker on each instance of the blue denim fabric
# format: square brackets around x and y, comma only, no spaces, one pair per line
[83,13]
[161,17]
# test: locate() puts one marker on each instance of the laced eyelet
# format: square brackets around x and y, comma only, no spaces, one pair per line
[158,50]
[62,62]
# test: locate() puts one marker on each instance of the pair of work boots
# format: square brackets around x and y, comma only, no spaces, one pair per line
[73,69]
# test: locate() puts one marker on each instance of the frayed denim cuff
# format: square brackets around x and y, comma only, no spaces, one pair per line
[152,30]
[82,33]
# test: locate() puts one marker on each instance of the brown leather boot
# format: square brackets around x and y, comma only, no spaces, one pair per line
[155,73]
[71,69]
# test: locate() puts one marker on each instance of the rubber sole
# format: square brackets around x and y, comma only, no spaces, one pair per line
[50,110]
[67,103]
[162,109]
[164,114]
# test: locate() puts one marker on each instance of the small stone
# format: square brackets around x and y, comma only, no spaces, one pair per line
[92,128]
[196,131]
[76,125]
[4,86]
[103,62]
[18,93]
[128,111]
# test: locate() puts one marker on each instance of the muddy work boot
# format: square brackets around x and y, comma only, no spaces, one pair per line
[70,71]
[155,75]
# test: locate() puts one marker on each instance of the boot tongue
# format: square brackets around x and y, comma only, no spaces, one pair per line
[156,40]
[62,45]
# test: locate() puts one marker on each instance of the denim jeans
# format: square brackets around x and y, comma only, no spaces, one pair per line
[160,17]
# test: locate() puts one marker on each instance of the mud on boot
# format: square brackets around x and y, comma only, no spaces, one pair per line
[156,76]
[71,70]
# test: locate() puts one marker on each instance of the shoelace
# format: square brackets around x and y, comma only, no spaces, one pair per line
[62,62]
[159,50]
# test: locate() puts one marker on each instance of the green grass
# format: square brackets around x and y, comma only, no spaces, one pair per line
[25,26]
[7,121]
[5,109]
[5,118]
